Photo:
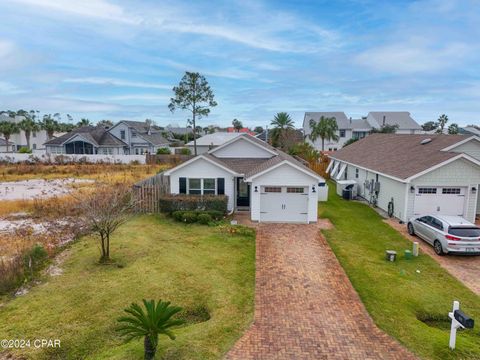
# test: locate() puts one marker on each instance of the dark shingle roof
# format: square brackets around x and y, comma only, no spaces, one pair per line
[97,135]
[155,138]
[400,118]
[401,156]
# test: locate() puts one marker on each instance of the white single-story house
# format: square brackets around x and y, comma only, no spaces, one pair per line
[210,141]
[255,176]
[4,147]
[418,174]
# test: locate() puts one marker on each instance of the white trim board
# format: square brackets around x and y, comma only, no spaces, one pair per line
[244,137]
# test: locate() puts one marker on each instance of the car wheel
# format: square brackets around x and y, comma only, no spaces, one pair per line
[410,229]
[437,246]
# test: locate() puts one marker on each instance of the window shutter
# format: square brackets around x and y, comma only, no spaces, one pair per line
[182,185]
[221,186]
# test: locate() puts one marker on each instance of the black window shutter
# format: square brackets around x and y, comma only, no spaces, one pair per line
[182,185]
[221,186]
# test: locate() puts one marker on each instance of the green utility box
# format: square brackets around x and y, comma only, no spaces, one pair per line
[408,254]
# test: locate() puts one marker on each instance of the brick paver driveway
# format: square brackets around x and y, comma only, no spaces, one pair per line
[305,306]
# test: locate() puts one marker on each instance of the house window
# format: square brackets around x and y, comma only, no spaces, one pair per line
[208,186]
[426,190]
[195,186]
[356,173]
[342,133]
[201,186]
[122,134]
[134,133]
[295,190]
[452,191]
[34,147]
[34,134]
[273,189]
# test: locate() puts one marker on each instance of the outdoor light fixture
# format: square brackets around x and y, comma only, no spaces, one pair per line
[256,188]
[412,189]
[313,188]
[474,189]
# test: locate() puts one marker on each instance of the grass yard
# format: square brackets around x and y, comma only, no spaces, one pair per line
[205,270]
[395,294]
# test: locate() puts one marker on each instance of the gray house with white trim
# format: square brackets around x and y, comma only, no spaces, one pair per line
[417,173]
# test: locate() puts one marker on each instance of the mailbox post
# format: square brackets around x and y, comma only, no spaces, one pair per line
[459,320]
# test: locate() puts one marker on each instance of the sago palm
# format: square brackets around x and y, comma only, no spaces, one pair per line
[149,323]
[325,128]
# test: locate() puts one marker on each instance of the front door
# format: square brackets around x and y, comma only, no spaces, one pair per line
[243,193]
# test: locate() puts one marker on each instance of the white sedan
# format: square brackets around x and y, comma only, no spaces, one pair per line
[447,234]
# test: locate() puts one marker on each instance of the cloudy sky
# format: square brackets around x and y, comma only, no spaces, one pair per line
[119,59]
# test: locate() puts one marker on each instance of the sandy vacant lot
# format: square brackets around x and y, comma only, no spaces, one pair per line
[37,188]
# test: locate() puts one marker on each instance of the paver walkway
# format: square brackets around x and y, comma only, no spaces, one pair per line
[465,268]
[305,306]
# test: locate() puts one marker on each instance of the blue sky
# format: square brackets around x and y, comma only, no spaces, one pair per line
[119,59]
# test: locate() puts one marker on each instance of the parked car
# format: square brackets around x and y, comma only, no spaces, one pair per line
[447,234]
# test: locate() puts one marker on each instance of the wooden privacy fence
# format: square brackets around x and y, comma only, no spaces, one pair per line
[148,192]
[320,166]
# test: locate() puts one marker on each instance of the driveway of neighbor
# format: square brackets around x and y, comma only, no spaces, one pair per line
[464,268]
[305,305]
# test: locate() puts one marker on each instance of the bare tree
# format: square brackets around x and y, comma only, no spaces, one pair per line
[104,210]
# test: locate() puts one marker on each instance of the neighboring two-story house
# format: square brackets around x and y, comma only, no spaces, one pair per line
[19,140]
[349,128]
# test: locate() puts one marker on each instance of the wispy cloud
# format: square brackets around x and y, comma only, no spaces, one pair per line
[116,82]
[96,9]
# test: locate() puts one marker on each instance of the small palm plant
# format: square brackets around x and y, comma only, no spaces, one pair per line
[148,324]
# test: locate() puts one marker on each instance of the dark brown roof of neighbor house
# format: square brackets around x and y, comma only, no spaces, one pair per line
[97,135]
[397,155]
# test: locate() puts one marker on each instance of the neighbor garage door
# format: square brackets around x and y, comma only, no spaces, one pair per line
[284,204]
[440,200]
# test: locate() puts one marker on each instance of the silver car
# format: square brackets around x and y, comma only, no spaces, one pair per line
[447,234]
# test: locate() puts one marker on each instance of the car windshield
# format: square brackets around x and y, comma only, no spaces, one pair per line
[465,231]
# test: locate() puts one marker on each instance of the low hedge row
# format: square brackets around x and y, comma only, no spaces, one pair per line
[202,217]
[171,203]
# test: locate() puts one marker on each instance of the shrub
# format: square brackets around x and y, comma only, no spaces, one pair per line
[172,203]
[35,258]
[185,151]
[189,217]
[204,219]
[163,151]
[24,150]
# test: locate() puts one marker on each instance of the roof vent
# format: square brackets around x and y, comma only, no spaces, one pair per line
[425,141]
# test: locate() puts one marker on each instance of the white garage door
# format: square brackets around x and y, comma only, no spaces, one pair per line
[440,200]
[284,204]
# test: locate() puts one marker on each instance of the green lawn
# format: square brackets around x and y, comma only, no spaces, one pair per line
[395,294]
[193,266]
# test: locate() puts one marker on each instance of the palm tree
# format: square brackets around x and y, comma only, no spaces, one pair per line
[325,128]
[149,324]
[50,124]
[237,125]
[83,122]
[28,125]
[8,128]
[282,123]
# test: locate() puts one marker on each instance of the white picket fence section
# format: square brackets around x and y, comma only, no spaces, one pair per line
[41,156]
